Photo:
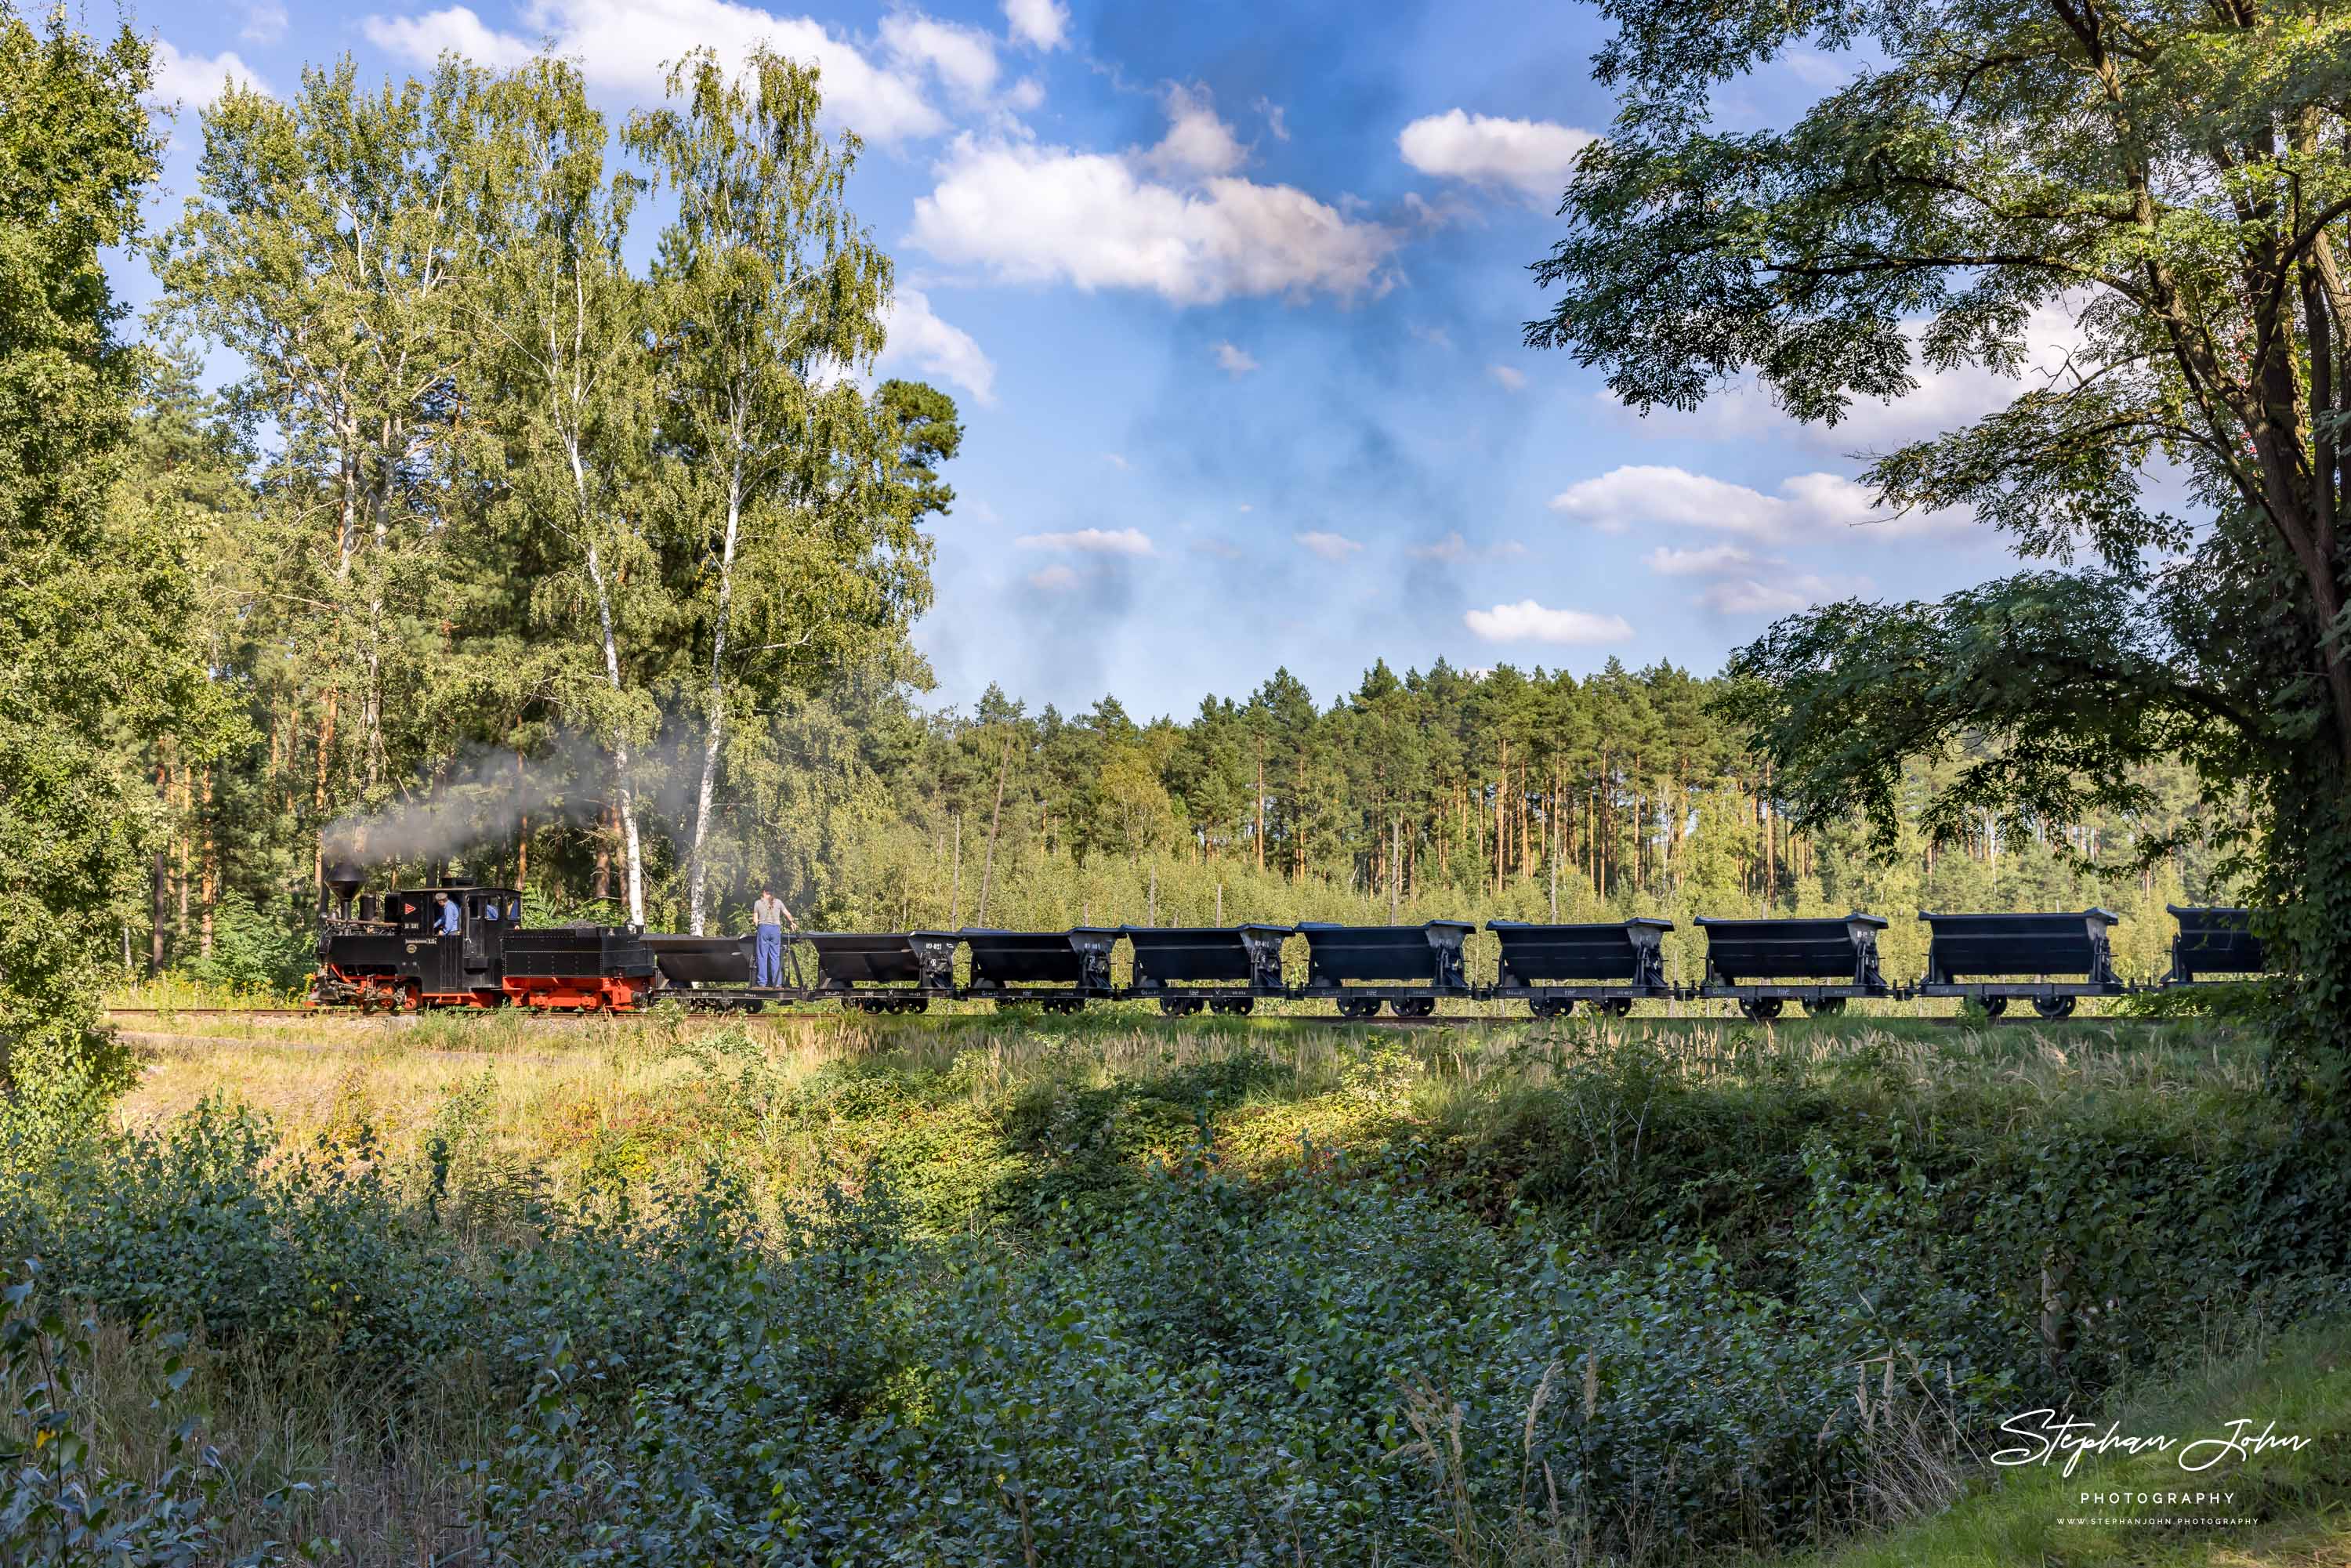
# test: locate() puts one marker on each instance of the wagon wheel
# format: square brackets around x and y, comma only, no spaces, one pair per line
[1234,1006]
[1763,1010]
[1352,1007]
[918,1005]
[1176,1007]
[1415,1007]
[1620,1007]
[1994,1006]
[1552,1007]
[2053,1008]
[1824,1007]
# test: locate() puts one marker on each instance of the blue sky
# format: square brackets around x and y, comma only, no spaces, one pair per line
[1231,297]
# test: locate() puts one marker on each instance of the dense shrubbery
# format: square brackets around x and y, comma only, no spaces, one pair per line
[1695,1315]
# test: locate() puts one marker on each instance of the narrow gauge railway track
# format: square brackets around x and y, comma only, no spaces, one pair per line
[1295,1020]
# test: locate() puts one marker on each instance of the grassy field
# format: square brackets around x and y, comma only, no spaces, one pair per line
[1580,1291]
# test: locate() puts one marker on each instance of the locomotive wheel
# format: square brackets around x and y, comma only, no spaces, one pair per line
[1620,1007]
[2053,1008]
[1762,1010]
[1994,1006]
[1235,1008]
[1824,1007]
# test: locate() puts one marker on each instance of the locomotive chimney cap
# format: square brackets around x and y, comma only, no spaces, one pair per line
[344,878]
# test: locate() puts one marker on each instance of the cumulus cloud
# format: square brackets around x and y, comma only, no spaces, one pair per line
[1091,541]
[1528,621]
[1198,141]
[193,81]
[1807,505]
[1711,561]
[1234,360]
[1532,157]
[265,22]
[1454,548]
[1751,596]
[1053,579]
[948,352]
[453,30]
[1943,399]
[1167,220]
[1040,24]
[1330,547]
[622,43]
[963,58]
[1510,380]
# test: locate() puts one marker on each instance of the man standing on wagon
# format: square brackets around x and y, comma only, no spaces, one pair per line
[768,918]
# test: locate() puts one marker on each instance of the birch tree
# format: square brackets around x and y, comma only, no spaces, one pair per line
[770,298]
[561,367]
[326,246]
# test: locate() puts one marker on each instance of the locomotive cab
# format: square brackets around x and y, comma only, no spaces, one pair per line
[404,960]
[457,965]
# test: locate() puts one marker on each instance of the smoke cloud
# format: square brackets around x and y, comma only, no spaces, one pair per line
[482,797]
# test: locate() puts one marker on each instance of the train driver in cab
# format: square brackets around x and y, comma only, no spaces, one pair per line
[444,914]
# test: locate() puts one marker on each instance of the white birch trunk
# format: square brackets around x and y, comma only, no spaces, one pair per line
[624,797]
[698,859]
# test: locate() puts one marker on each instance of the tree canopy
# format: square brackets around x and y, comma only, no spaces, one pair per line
[2166,183]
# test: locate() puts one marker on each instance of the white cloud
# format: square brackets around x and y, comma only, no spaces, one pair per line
[1024,95]
[623,44]
[1453,547]
[947,352]
[1117,460]
[1273,117]
[1246,508]
[1053,578]
[1816,70]
[1750,596]
[265,22]
[1808,504]
[1330,547]
[1091,541]
[1510,380]
[1711,561]
[1528,621]
[1531,156]
[963,58]
[1234,360]
[1042,23]
[194,80]
[1032,213]
[1435,337]
[1943,399]
[1196,142]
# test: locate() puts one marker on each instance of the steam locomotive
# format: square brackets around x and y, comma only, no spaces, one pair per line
[390,952]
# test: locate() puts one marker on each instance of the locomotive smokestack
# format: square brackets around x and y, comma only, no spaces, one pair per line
[343,880]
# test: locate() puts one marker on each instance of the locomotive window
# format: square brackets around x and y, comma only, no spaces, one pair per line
[474,906]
